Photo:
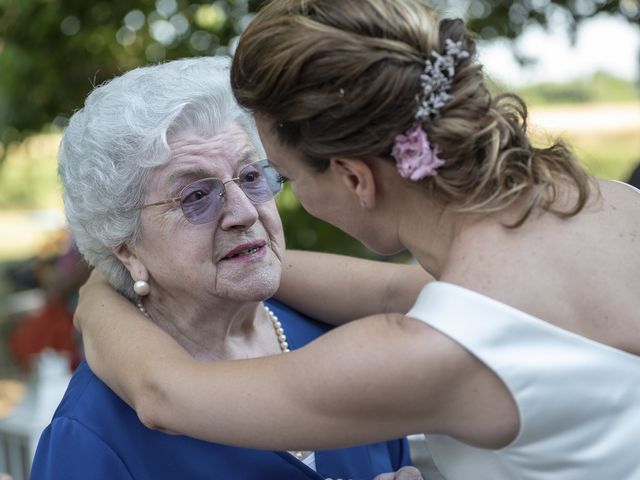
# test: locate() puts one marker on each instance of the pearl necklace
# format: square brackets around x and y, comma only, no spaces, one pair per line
[143,310]
[284,347]
[282,338]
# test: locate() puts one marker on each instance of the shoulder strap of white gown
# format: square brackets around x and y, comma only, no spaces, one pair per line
[628,185]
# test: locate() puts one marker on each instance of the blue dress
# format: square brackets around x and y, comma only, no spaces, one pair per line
[94,435]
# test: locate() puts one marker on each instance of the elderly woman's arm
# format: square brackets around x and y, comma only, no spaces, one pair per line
[337,288]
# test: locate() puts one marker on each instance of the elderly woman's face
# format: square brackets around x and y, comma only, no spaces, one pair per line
[236,256]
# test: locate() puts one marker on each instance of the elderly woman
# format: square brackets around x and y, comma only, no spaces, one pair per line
[169,197]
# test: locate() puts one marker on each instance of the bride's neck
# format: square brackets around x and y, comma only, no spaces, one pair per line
[428,231]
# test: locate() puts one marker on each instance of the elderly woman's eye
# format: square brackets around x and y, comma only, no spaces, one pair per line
[194,196]
[251,177]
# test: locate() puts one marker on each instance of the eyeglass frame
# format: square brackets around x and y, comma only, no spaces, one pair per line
[236,180]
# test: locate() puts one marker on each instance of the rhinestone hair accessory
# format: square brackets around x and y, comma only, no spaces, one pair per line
[415,157]
[436,79]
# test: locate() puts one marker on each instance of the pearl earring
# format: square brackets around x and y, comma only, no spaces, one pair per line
[141,288]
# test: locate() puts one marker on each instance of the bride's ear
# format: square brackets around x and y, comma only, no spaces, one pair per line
[356,175]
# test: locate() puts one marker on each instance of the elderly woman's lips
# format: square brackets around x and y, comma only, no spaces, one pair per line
[246,251]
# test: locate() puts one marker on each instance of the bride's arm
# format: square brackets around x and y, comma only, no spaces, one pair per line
[336,289]
[357,384]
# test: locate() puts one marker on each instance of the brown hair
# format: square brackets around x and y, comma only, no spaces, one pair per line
[341,78]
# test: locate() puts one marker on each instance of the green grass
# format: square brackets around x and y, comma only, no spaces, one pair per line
[28,175]
[612,155]
[600,87]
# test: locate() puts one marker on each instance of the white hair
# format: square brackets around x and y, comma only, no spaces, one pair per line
[112,144]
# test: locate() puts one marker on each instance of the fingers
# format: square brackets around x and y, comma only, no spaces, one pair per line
[408,473]
[382,476]
[78,326]
[405,473]
[94,279]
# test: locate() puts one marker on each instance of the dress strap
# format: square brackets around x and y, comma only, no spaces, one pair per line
[627,184]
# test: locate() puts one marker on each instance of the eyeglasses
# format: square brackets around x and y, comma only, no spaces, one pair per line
[202,201]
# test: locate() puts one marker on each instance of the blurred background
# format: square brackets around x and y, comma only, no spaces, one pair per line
[576,62]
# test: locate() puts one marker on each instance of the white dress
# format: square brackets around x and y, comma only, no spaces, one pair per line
[578,400]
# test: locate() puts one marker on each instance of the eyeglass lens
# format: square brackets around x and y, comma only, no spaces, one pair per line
[202,201]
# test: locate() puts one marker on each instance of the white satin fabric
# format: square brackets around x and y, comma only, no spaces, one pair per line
[578,400]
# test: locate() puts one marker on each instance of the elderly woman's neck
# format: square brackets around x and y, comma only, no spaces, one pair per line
[225,329]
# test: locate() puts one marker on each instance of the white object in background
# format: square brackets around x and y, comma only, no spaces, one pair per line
[20,431]
[26,301]
[421,457]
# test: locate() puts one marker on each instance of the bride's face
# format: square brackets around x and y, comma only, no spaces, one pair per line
[323,195]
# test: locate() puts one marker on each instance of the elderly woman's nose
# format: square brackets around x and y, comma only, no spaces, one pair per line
[238,212]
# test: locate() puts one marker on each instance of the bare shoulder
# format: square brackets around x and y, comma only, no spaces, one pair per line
[584,267]
[620,202]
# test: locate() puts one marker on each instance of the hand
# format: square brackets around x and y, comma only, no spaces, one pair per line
[89,292]
[405,473]
[5,476]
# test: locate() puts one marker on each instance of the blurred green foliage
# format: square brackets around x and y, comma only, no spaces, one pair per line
[28,177]
[508,18]
[52,52]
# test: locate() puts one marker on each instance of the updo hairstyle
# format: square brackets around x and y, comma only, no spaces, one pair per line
[341,79]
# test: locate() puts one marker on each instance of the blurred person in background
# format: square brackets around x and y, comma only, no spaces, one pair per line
[58,271]
[168,195]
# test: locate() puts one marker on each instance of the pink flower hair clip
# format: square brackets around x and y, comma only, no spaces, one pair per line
[415,157]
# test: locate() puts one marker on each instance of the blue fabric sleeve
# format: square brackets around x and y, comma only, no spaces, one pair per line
[400,453]
[67,450]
